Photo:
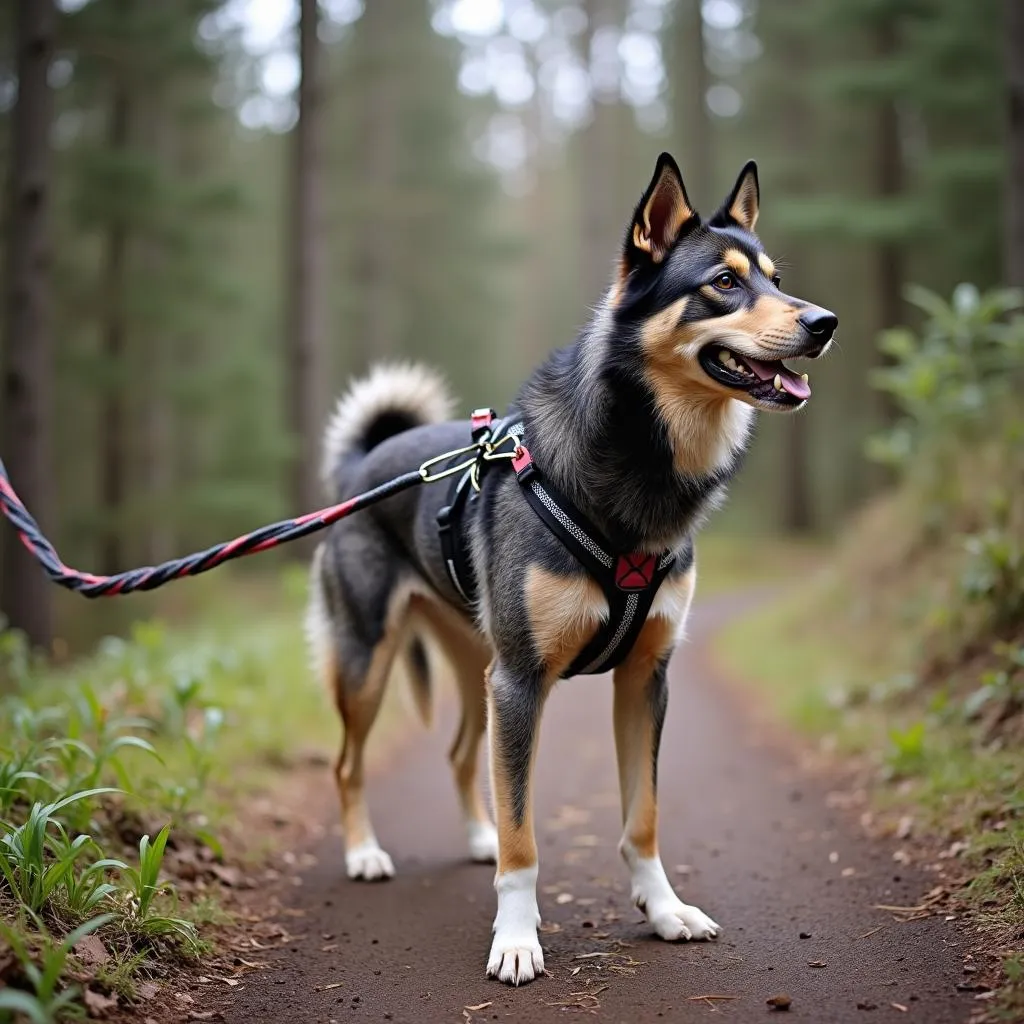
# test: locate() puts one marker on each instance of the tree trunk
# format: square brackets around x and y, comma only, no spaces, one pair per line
[113,420]
[1015,141]
[376,258]
[889,184]
[798,133]
[691,122]
[25,593]
[155,467]
[600,217]
[306,369]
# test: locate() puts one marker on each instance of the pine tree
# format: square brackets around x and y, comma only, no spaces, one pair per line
[414,237]
[25,593]
[305,347]
[1014,246]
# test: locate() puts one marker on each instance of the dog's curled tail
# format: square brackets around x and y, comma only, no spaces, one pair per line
[393,397]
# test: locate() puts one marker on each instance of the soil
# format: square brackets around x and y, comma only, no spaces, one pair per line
[748,834]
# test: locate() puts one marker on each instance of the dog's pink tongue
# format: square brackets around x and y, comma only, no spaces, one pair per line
[796,386]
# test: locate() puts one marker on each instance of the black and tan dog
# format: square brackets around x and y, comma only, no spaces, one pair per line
[640,424]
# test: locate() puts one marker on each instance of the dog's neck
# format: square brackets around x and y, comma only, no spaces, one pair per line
[645,478]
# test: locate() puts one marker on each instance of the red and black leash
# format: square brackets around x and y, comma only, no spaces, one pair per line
[152,576]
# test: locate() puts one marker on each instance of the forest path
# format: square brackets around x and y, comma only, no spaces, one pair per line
[747,835]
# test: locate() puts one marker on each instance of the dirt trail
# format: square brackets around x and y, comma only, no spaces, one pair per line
[756,836]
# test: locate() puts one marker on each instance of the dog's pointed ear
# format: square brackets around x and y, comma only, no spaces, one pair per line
[660,217]
[744,202]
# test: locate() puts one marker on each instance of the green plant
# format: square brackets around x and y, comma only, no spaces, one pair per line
[945,378]
[144,886]
[906,754]
[43,969]
[35,863]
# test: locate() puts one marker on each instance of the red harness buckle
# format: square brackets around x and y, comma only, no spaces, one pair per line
[635,571]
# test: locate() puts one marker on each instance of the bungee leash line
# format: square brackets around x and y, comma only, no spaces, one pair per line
[152,576]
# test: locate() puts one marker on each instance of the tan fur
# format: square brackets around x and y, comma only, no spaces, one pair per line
[467,653]
[634,735]
[737,262]
[358,709]
[565,612]
[666,192]
[705,422]
[517,844]
[744,209]
[672,602]
[766,265]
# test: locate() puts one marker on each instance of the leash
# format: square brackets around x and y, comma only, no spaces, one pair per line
[274,535]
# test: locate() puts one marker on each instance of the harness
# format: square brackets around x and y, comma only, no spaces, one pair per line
[630,580]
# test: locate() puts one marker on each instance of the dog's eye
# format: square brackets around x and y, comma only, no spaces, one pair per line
[777,281]
[725,281]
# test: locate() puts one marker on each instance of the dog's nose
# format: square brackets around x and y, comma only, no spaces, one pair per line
[820,323]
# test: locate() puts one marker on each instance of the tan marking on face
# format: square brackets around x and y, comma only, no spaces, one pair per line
[766,265]
[564,612]
[737,262]
[704,422]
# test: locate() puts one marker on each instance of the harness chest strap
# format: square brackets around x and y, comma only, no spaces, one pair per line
[630,581]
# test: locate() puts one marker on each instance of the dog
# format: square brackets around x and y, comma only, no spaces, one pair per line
[640,424]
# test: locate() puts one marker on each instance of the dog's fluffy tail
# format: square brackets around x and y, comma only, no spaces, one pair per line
[391,398]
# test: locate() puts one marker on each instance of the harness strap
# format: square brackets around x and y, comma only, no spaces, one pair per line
[630,581]
[453,548]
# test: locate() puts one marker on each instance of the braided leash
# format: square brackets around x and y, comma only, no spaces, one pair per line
[152,576]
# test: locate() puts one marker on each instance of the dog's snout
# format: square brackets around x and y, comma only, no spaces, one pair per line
[820,323]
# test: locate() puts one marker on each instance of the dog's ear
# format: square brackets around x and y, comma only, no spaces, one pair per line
[660,217]
[743,204]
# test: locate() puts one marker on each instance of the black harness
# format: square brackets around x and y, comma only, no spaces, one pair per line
[630,580]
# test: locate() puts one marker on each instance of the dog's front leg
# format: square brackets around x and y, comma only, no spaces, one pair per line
[641,698]
[513,713]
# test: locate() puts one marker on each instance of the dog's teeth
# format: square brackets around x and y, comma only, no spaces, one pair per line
[804,377]
[723,356]
[778,382]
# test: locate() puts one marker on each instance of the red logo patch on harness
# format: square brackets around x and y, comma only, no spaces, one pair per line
[635,571]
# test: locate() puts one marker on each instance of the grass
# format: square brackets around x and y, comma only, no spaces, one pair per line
[152,742]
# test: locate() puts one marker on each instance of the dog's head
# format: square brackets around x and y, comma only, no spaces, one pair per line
[706,298]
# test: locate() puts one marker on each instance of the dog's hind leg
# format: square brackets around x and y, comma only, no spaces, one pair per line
[641,698]
[468,655]
[358,701]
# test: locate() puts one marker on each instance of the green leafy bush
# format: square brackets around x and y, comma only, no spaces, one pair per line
[959,444]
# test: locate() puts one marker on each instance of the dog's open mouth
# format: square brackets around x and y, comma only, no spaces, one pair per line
[766,381]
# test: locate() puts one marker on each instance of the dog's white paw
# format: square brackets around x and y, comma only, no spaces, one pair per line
[516,956]
[679,921]
[483,841]
[515,961]
[369,862]
[668,915]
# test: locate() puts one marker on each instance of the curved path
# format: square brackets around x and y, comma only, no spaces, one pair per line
[748,838]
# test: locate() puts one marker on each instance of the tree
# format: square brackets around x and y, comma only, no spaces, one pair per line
[25,592]
[691,121]
[305,369]
[113,421]
[1015,182]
